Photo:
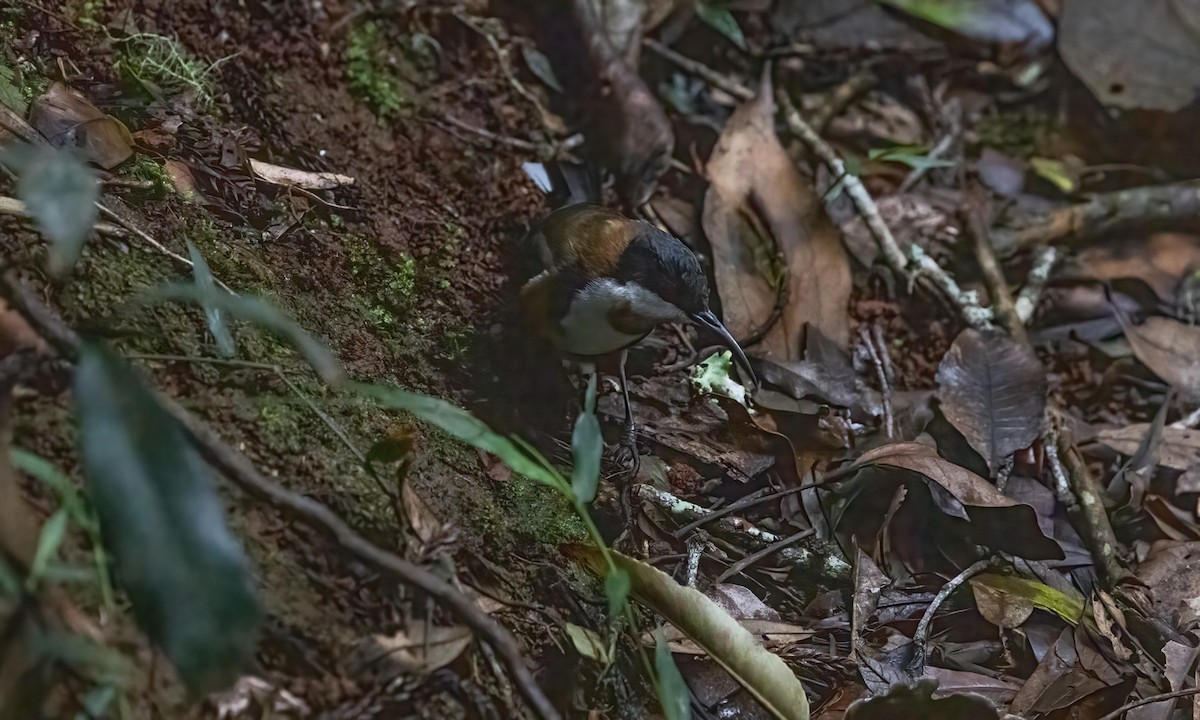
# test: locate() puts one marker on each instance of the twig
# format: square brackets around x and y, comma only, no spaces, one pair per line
[885,389]
[695,548]
[1072,476]
[989,265]
[1158,207]
[1030,295]
[842,97]
[149,240]
[238,469]
[16,208]
[921,636]
[749,560]
[918,263]
[542,150]
[889,369]
[505,65]
[738,530]
[1115,714]
[943,146]
[700,70]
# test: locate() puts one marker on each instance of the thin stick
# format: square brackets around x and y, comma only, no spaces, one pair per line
[238,469]
[700,70]
[1030,295]
[917,264]
[1115,714]
[989,265]
[885,389]
[921,636]
[149,240]
[749,560]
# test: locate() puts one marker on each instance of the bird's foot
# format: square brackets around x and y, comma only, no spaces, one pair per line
[626,452]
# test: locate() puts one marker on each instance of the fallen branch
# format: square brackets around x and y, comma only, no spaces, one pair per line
[921,636]
[1069,469]
[1158,207]
[238,469]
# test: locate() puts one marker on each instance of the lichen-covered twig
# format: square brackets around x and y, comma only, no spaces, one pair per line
[1073,478]
[1043,264]
[921,636]
[1003,304]
[1159,207]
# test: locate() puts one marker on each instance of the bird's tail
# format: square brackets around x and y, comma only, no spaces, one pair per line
[567,183]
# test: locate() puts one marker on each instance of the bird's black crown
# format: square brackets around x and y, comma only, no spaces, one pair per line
[662,264]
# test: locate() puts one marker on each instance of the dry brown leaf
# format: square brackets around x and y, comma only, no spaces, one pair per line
[1160,260]
[752,176]
[1171,349]
[993,390]
[1002,609]
[1172,573]
[1000,522]
[1178,448]
[419,649]
[70,120]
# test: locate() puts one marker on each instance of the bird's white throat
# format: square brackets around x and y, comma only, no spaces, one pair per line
[586,326]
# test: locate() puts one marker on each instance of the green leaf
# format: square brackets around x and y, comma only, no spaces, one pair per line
[466,427]
[49,541]
[589,644]
[540,66]
[997,21]
[10,96]
[915,157]
[717,16]
[1056,172]
[764,674]
[616,588]
[186,576]
[207,288]
[672,690]
[1069,607]
[60,192]
[587,447]
[262,313]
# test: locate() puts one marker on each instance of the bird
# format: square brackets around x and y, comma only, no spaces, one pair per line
[607,281]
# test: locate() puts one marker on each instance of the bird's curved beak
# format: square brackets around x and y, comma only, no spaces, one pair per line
[709,320]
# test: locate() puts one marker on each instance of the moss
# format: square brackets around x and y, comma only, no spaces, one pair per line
[85,13]
[385,72]
[534,510]
[1019,132]
[161,64]
[143,167]
[388,288]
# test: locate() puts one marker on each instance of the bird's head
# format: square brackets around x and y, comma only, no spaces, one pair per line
[663,265]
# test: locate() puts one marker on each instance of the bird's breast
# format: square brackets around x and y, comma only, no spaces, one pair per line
[606,316]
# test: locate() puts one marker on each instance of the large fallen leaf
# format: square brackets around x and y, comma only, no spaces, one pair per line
[752,176]
[1170,348]
[1142,54]
[763,674]
[70,121]
[1178,448]
[1160,260]
[993,389]
[999,521]
[163,523]
[418,649]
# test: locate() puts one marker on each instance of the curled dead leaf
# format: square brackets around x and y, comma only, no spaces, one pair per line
[69,120]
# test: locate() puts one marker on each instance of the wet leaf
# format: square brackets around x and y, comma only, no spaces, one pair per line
[716,15]
[995,21]
[999,521]
[587,447]
[1169,348]
[1178,448]
[163,523]
[215,315]
[672,691]
[993,390]
[589,644]
[1069,607]
[464,426]
[767,226]
[71,122]
[539,65]
[1155,68]
[262,313]
[49,541]
[763,674]
[60,193]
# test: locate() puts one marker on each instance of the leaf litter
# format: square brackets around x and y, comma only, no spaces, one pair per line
[841,343]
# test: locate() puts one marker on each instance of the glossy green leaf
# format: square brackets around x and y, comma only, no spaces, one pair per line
[672,690]
[186,576]
[616,588]
[763,674]
[466,427]
[49,541]
[60,192]
[587,448]
[716,15]
[262,313]
[215,315]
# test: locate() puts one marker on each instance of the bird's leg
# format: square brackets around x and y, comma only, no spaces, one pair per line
[627,454]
